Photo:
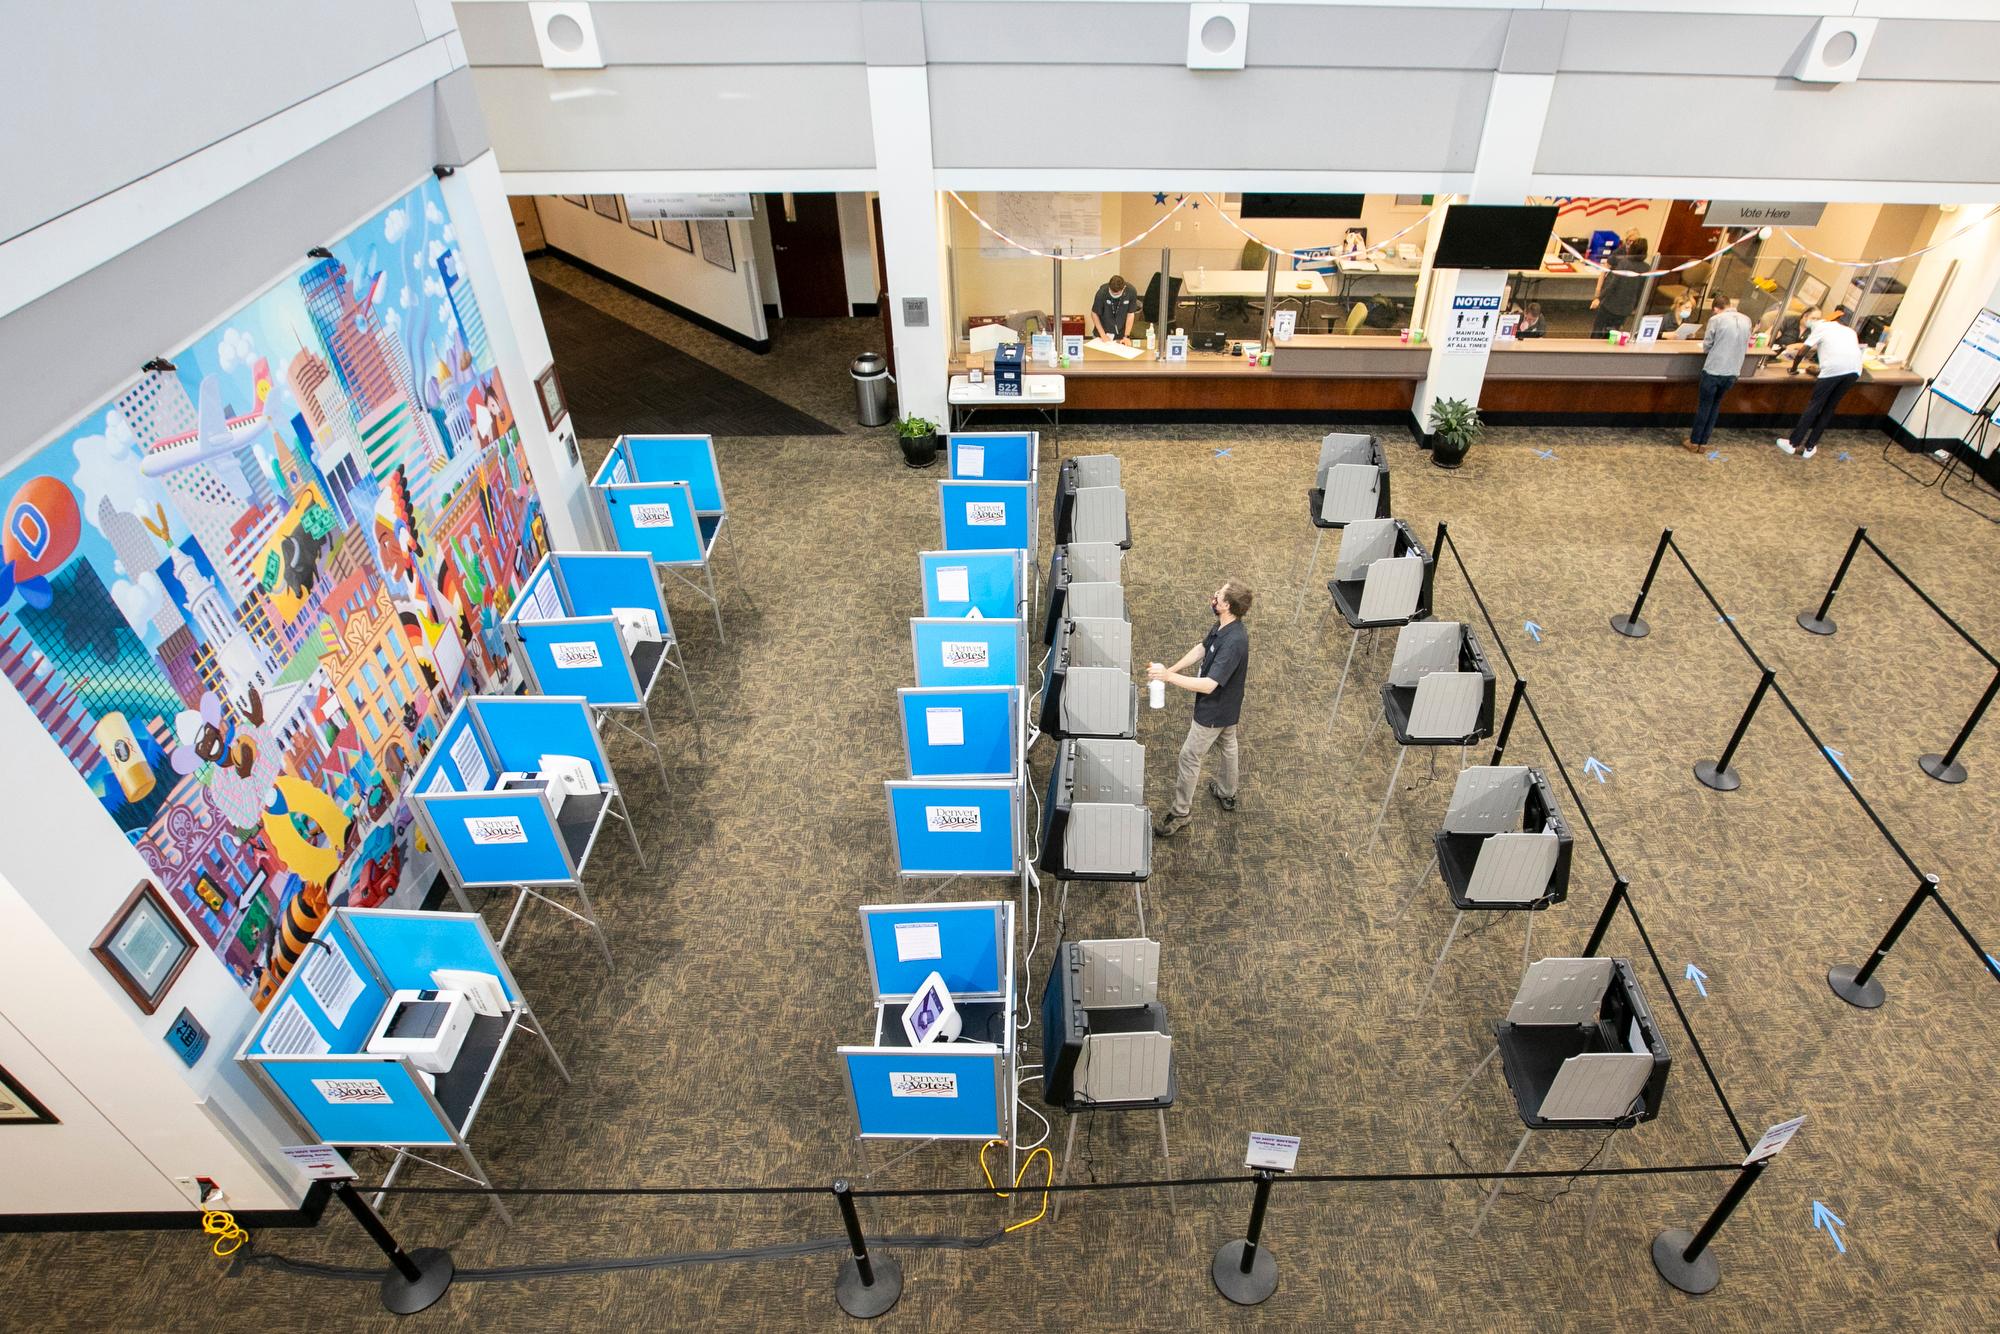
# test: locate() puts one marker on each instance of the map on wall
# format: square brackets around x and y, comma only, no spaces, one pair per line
[1065,220]
[243,594]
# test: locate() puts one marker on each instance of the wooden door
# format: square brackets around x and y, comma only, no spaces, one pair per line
[1684,237]
[812,278]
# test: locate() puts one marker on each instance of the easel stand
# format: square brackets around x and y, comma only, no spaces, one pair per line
[1243,1270]
[1683,1258]
[414,1282]
[867,1287]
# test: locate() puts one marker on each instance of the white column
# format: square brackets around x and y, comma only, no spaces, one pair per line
[1517,107]
[900,103]
[491,249]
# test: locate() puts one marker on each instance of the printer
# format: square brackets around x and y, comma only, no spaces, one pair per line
[426,1026]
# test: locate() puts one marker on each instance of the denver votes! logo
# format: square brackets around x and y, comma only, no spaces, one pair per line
[580,654]
[652,516]
[913,1084]
[496,829]
[986,513]
[951,819]
[966,653]
[352,1092]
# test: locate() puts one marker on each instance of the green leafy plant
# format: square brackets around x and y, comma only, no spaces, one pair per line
[1455,426]
[914,428]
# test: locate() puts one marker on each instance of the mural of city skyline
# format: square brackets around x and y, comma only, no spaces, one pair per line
[243,595]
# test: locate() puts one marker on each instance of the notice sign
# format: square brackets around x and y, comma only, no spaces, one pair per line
[353,1092]
[954,583]
[944,727]
[1470,326]
[322,1162]
[972,460]
[1774,1139]
[986,513]
[581,654]
[918,940]
[652,516]
[967,653]
[925,1084]
[1279,1153]
[486,829]
[951,819]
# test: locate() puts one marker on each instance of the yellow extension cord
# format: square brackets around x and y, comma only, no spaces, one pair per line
[1049,1159]
[222,1225]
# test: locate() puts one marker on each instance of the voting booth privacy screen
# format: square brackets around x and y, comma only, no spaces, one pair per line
[967,652]
[944,828]
[566,626]
[994,456]
[983,516]
[957,584]
[973,732]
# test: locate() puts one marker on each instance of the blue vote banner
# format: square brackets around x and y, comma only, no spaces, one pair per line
[964,943]
[948,1091]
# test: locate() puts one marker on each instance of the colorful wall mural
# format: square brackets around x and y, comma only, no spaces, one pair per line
[243,595]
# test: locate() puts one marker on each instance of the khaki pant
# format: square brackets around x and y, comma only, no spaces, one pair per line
[1199,739]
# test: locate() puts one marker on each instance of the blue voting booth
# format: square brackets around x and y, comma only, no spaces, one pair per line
[982,516]
[954,827]
[963,652]
[994,456]
[942,1090]
[969,732]
[958,583]
[514,794]
[662,494]
[309,1050]
[593,623]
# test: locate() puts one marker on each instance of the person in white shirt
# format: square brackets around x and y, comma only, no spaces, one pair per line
[1839,353]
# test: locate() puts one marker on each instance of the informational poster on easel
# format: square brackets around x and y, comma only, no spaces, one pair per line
[1972,372]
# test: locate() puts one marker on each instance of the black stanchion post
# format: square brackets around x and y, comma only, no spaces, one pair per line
[1629,624]
[1717,773]
[866,1288]
[1507,723]
[1857,986]
[414,1281]
[1244,1271]
[1684,1259]
[1619,888]
[1818,622]
[1946,768]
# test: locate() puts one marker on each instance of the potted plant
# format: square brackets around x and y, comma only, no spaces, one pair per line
[1454,426]
[918,437]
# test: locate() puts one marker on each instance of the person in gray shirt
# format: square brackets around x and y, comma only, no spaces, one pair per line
[1725,340]
[1113,309]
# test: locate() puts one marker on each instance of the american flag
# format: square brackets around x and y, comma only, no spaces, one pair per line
[1568,207]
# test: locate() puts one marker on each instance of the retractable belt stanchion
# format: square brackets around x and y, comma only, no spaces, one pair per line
[1946,768]
[1629,624]
[1683,1258]
[1857,986]
[1243,1270]
[414,1282]
[867,1286]
[1716,773]
[1818,622]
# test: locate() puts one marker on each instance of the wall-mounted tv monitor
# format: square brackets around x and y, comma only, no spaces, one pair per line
[1302,206]
[1495,236]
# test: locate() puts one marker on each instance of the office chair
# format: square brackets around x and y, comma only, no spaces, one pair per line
[1439,693]
[1504,847]
[1357,315]
[1382,580]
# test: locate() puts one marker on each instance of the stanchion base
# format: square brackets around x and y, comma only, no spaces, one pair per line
[1722,780]
[1935,766]
[1816,625]
[405,1297]
[865,1301]
[1630,626]
[1694,1279]
[1239,1287]
[1867,996]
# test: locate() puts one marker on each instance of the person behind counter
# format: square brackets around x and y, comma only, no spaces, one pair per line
[1532,325]
[1619,286]
[1113,309]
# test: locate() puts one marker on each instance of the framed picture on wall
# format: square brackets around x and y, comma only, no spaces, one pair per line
[549,390]
[579,200]
[18,1106]
[144,946]
[605,206]
[1813,290]
[716,247]
[676,234]
[643,226]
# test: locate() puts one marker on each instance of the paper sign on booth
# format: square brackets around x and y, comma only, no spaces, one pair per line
[472,770]
[986,513]
[944,727]
[918,940]
[954,583]
[333,983]
[291,1034]
[322,1162]
[965,653]
[652,516]
[487,829]
[579,654]
[951,819]
[972,460]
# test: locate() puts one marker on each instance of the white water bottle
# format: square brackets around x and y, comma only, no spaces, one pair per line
[1156,693]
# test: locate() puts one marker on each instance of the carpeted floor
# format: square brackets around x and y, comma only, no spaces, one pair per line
[707,1055]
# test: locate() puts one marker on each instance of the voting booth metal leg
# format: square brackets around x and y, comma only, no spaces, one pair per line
[1352,644]
[535,1026]
[1683,1258]
[1494,1194]
[867,1287]
[625,814]
[415,1280]
[714,600]
[1062,1177]
[1402,753]
[679,660]
[1716,773]
[1243,1270]
[736,562]
[1139,897]
[1306,583]
[1415,885]
[653,738]
[1423,1002]
[1477,1070]
[1173,1205]
[1629,623]
[1528,945]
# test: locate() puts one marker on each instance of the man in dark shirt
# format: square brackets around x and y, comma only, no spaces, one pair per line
[1113,309]
[1224,654]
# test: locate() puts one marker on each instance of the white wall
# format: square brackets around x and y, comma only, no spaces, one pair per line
[857,248]
[730,299]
